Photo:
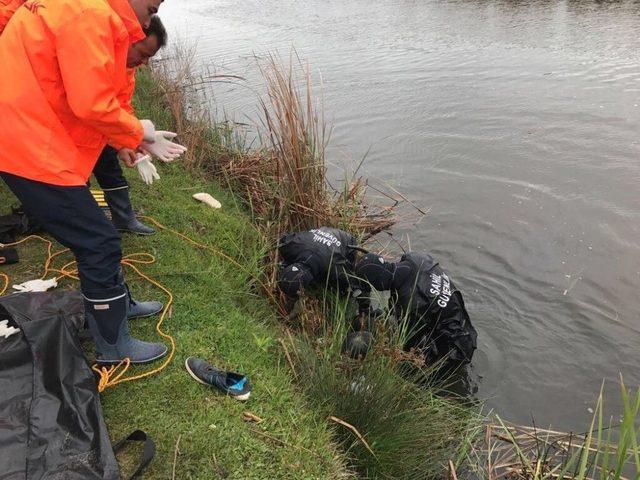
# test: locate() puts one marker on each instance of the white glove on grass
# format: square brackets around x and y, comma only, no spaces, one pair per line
[146,169]
[149,130]
[208,199]
[162,147]
[5,330]
[36,285]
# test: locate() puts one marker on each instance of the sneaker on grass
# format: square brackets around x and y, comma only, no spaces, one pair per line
[233,384]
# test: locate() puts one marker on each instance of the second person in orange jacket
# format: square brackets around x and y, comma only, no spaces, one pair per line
[107,171]
[63,65]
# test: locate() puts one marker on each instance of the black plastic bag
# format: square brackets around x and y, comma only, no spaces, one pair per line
[51,423]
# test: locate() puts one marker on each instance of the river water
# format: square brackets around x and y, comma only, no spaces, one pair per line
[517,124]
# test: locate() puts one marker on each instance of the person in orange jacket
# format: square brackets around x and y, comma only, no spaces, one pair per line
[107,171]
[63,65]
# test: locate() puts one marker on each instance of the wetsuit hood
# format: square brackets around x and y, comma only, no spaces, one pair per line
[293,278]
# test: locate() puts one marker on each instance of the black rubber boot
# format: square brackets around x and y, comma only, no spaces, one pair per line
[122,214]
[106,314]
[142,309]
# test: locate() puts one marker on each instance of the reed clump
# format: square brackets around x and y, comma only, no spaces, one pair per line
[283,179]
[607,449]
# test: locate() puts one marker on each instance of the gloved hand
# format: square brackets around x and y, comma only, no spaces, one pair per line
[5,330]
[146,169]
[149,130]
[162,147]
[36,285]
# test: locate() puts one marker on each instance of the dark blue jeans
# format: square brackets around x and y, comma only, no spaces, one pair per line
[74,219]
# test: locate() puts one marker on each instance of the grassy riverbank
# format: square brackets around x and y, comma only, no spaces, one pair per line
[217,316]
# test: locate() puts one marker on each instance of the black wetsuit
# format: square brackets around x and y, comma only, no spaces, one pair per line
[327,252]
[437,319]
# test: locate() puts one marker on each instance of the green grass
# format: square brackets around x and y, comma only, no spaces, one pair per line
[218,316]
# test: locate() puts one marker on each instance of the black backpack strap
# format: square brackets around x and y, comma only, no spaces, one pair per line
[148,452]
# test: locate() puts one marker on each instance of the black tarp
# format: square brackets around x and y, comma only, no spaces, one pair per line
[51,423]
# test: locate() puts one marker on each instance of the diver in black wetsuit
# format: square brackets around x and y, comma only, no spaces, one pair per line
[326,257]
[322,256]
[423,293]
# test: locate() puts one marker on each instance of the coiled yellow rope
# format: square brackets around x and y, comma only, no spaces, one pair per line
[114,375]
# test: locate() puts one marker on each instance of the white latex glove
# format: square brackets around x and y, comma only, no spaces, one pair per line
[163,148]
[208,199]
[5,330]
[36,285]
[146,169]
[149,130]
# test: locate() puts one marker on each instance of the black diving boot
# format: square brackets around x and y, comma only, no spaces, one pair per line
[142,309]
[122,214]
[106,314]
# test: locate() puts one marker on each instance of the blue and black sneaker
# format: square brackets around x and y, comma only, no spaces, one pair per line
[230,383]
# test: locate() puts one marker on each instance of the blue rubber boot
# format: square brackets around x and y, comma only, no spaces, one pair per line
[106,314]
[142,309]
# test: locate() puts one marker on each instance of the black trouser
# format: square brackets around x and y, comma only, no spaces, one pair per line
[73,218]
[108,171]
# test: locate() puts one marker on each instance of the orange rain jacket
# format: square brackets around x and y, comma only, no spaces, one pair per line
[63,68]
[7,9]
[126,94]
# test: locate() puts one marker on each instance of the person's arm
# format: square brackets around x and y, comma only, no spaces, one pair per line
[126,95]
[86,57]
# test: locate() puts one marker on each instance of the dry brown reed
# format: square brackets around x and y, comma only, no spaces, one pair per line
[283,180]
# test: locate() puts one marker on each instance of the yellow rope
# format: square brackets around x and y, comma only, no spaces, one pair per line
[19,242]
[114,375]
[105,374]
[219,253]
[5,279]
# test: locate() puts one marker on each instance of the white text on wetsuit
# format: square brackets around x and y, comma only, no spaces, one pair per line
[441,287]
[326,238]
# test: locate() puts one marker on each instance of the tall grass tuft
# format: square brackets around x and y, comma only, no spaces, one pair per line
[283,179]
[296,136]
[388,426]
